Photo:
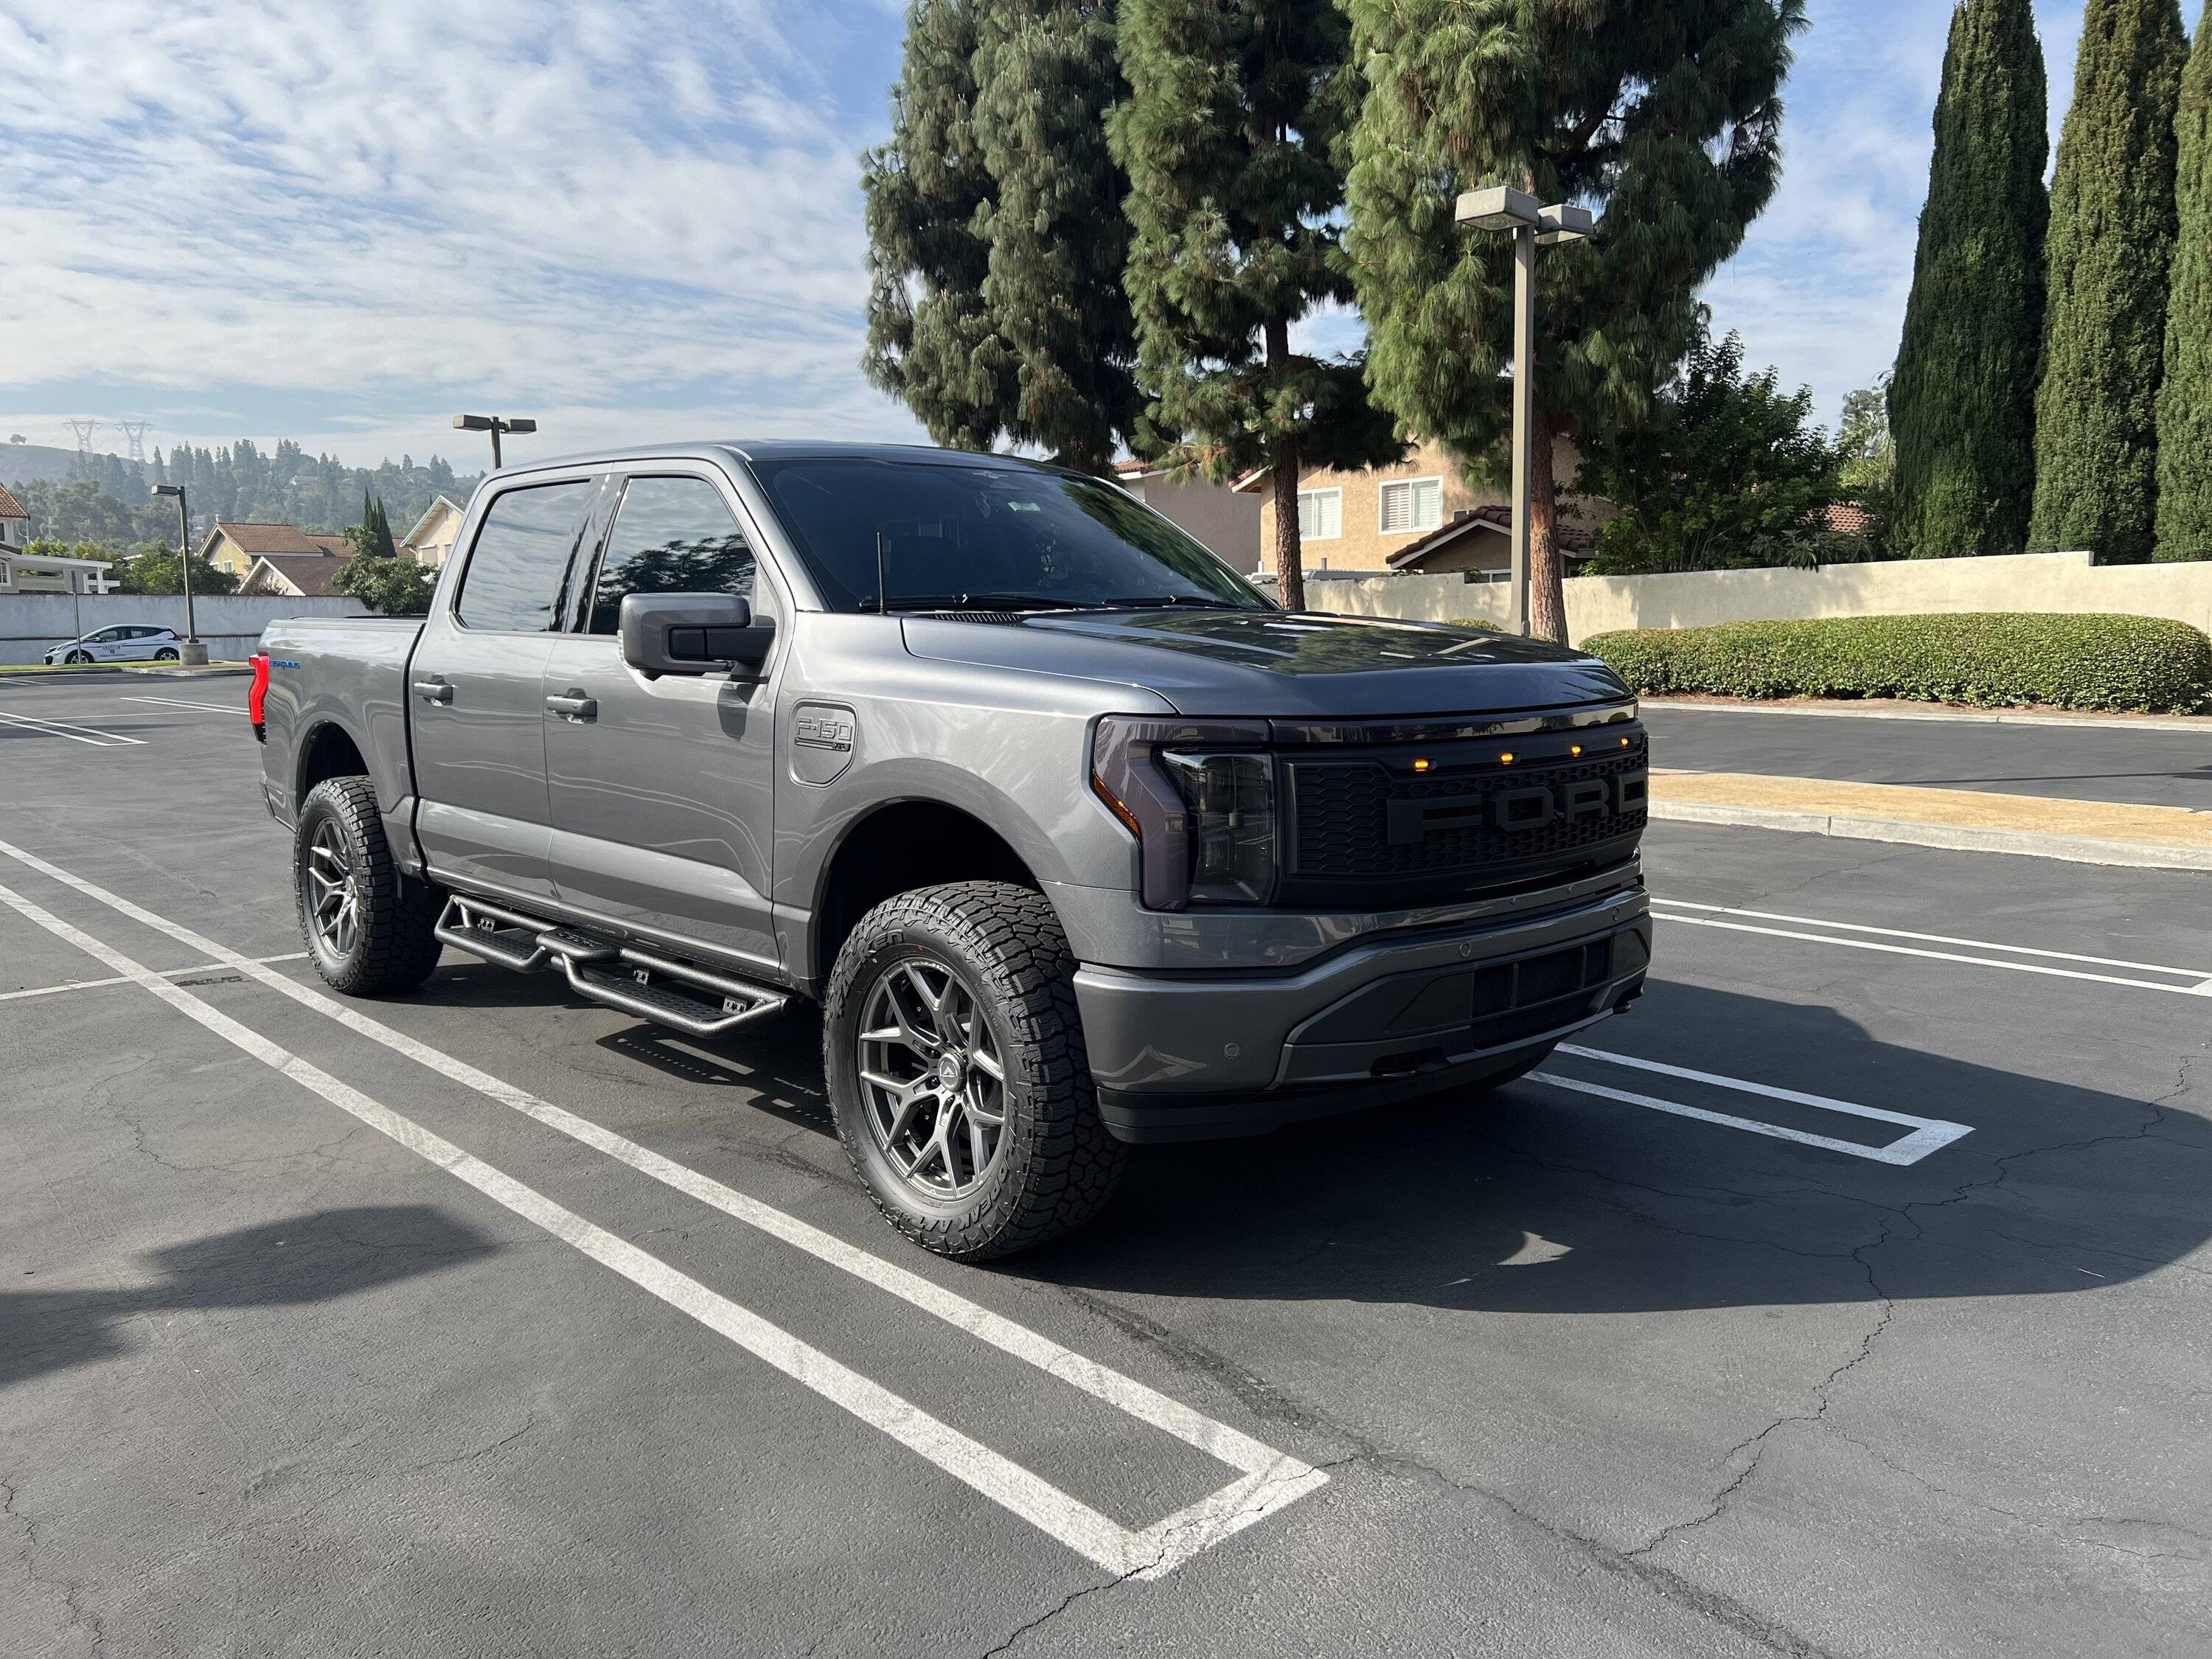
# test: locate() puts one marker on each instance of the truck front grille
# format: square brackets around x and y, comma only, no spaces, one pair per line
[1363,821]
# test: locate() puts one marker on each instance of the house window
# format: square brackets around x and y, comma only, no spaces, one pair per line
[1411,505]
[1321,514]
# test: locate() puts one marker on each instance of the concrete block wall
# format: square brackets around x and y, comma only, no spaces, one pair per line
[1600,604]
[230,625]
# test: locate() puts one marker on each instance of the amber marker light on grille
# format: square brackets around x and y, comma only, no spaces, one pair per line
[1574,749]
[1506,759]
[1422,765]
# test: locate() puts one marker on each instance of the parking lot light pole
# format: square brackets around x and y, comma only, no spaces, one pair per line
[192,652]
[494,424]
[1532,225]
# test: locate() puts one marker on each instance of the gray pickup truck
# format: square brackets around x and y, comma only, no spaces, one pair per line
[1075,839]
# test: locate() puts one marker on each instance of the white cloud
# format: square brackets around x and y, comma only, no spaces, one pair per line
[595,208]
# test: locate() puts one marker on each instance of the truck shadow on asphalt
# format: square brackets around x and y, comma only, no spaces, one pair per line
[1532,1199]
[302,1259]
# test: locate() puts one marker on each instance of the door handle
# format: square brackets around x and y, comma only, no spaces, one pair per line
[434,690]
[575,707]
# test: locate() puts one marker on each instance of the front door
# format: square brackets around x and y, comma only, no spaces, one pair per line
[475,699]
[662,789]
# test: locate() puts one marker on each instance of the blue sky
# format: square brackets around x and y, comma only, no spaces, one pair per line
[342,223]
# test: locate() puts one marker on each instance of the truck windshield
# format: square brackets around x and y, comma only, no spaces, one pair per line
[922,536]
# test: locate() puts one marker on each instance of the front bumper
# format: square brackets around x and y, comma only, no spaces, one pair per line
[1186,1057]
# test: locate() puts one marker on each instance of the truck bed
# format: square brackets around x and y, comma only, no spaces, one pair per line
[333,681]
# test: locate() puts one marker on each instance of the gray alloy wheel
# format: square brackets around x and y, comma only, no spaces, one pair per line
[77,657]
[333,894]
[935,1083]
[167,656]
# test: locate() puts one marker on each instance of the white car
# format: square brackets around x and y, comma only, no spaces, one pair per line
[128,642]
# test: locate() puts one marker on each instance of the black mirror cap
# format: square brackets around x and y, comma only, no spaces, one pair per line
[692,633]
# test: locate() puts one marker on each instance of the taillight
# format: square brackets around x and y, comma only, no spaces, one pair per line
[1200,796]
[257,695]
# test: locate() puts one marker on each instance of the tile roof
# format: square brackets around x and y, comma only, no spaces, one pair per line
[11,508]
[311,573]
[336,546]
[1847,519]
[259,538]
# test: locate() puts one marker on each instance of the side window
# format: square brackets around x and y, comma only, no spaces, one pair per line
[672,536]
[514,575]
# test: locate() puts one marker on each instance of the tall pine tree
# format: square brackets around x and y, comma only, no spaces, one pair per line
[1962,402]
[995,245]
[2111,247]
[1665,117]
[932,342]
[1229,136]
[2184,408]
[1046,74]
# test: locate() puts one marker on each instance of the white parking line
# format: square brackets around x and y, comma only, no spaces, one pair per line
[1268,1479]
[232,709]
[1672,910]
[84,734]
[1929,1134]
[125,979]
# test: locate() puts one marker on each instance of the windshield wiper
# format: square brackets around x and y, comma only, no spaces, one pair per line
[1164,601]
[979,601]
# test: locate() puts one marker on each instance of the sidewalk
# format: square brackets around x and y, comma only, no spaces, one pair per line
[2081,831]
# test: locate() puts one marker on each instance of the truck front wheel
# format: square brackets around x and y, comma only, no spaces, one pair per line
[369,929]
[957,1074]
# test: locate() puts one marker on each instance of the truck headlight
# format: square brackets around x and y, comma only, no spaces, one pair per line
[1230,818]
[1200,797]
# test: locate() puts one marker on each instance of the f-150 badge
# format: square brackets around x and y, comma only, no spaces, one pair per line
[822,735]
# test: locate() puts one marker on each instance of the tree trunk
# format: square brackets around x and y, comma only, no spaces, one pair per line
[1290,567]
[1289,570]
[1547,599]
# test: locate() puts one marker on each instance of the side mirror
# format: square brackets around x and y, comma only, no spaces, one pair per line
[692,633]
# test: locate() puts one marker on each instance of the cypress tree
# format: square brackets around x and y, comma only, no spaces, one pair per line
[2184,408]
[1045,74]
[1962,402]
[1666,118]
[995,243]
[1229,135]
[2111,244]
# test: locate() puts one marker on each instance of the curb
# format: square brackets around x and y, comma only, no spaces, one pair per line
[2073,849]
[2199,726]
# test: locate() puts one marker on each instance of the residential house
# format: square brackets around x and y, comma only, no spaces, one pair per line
[1214,513]
[22,572]
[430,543]
[234,545]
[1418,515]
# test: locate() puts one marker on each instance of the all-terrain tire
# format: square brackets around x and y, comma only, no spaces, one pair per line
[1057,1164]
[393,947]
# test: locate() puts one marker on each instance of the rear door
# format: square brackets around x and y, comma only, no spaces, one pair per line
[476,695]
[662,790]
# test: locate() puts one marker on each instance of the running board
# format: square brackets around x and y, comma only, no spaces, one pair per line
[702,1002]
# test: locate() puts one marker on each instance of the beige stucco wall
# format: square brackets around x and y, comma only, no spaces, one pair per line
[1600,604]
[1226,521]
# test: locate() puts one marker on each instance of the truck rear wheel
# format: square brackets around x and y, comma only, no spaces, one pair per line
[957,1074]
[369,929]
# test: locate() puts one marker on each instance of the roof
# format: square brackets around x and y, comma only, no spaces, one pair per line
[1847,519]
[311,573]
[11,508]
[430,513]
[259,538]
[1573,539]
[336,546]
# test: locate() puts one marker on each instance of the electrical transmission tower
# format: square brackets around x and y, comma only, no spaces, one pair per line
[134,434]
[84,429]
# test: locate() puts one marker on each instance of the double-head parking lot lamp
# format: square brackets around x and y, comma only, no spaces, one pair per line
[494,424]
[192,651]
[1533,225]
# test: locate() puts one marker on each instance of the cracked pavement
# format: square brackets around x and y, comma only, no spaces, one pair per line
[1585,1379]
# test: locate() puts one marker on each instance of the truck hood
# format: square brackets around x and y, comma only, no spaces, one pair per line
[1275,664]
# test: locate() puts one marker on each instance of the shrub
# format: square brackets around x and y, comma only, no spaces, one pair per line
[2144,664]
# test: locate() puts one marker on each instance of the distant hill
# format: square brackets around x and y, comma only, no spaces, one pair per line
[36,464]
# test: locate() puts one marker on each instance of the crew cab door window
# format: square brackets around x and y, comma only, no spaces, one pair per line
[670,536]
[513,582]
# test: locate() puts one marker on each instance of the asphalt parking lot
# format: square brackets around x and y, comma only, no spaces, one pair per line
[1848,1297]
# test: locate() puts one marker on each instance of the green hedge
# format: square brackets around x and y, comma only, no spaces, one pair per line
[2144,664]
